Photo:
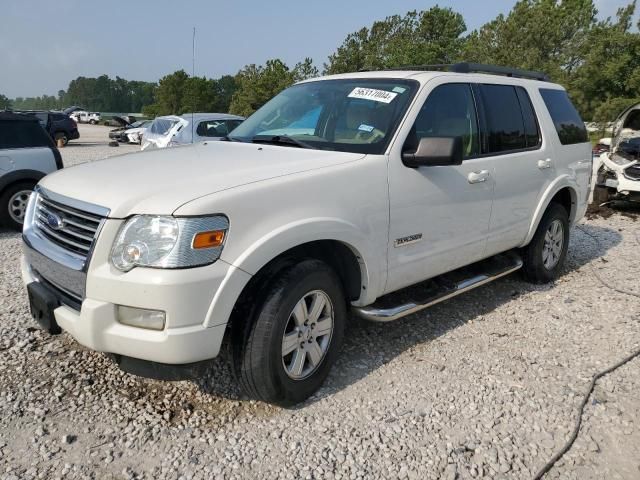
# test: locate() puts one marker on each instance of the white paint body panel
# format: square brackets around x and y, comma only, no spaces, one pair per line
[277,198]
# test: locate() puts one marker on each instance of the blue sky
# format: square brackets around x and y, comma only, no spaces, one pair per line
[45,44]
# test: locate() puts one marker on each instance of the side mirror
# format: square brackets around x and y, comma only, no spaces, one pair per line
[434,152]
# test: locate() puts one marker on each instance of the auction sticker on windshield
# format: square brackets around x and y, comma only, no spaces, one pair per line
[373,94]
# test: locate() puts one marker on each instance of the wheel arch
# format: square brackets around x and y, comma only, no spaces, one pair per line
[19,176]
[561,192]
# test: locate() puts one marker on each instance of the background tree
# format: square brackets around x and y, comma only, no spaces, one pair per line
[4,102]
[541,35]
[257,84]
[418,38]
[608,77]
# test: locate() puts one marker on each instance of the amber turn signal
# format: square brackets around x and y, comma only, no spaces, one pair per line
[208,239]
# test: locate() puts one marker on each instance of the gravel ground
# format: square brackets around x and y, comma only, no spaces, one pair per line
[92,145]
[486,385]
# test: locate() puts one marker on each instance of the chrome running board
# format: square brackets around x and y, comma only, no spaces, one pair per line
[412,299]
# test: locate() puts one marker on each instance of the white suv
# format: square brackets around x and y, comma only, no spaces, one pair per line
[334,197]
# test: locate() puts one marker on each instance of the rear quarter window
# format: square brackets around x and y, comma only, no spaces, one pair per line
[566,119]
[23,135]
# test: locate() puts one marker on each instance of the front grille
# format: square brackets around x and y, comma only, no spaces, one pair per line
[633,172]
[71,229]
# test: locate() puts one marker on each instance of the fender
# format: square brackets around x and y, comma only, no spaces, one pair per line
[20,176]
[273,244]
[558,184]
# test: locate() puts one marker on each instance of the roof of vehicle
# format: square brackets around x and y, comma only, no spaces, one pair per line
[424,73]
[424,76]
[210,116]
[16,117]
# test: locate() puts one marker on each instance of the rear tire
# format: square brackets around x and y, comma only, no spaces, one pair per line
[600,195]
[61,136]
[13,204]
[544,257]
[287,349]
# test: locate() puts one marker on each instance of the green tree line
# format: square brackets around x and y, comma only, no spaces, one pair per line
[597,60]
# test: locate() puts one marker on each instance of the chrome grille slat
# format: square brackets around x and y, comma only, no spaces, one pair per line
[71,211]
[81,236]
[79,224]
[57,236]
[77,230]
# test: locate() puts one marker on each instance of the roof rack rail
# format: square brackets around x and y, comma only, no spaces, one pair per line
[465,67]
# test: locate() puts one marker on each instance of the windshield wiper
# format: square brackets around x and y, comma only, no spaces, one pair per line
[227,138]
[280,140]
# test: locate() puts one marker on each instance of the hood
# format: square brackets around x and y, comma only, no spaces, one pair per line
[160,181]
[123,121]
[70,110]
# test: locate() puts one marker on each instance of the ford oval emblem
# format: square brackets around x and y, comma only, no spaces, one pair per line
[55,222]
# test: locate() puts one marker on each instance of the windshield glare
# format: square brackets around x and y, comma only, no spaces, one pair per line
[354,115]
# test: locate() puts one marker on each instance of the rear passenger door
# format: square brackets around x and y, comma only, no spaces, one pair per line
[521,160]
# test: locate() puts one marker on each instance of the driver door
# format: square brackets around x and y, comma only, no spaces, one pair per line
[439,215]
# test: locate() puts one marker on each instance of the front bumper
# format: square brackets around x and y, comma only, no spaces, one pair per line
[95,326]
[615,177]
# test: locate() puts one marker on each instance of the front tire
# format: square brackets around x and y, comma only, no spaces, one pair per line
[544,257]
[13,205]
[295,334]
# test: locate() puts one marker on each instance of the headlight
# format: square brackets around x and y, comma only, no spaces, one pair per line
[169,242]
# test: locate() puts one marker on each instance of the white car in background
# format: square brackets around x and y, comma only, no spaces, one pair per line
[82,116]
[171,130]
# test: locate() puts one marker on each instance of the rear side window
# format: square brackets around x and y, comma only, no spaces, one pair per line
[505,125]
[23,135]
[570,127]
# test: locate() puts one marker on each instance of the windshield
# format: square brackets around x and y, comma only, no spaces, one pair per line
[351,115]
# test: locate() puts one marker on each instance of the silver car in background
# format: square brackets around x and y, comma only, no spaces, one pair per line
[172,130]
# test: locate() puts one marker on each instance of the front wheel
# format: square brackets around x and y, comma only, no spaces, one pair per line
[13,205]
[294,336]
[544,256]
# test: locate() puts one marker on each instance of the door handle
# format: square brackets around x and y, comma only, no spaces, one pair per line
[546,163]
[478,177]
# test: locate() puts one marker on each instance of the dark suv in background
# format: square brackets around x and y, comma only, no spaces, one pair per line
[59,125]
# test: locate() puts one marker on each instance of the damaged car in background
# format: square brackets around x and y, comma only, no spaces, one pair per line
[619,169]
[171,130]
[123,124]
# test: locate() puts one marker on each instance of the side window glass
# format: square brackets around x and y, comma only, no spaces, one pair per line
[531,129]
[505,124]
[449,111]
[569,125]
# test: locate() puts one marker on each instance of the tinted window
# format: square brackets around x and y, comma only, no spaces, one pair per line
[505,127]
[449,111]
[23,135]
[569,125]
[531,130]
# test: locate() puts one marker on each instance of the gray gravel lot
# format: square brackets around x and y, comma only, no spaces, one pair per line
[486,385]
